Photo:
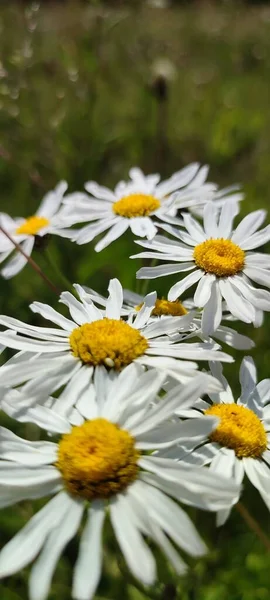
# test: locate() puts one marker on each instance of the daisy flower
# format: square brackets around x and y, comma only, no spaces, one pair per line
[104,467]
[25,231]
[140,204]
[164,308]
[191,327]
[221,262]
[68,355]
[240,445]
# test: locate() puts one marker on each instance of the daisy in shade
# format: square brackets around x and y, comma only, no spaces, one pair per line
[104,468]
[240,445]
[68,355]
[221,262]
[25,231]
[139,204]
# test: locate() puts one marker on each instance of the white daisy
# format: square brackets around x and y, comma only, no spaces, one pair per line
[25,231]
[218,196]
[220,260]
[240,445]
[69,355]
[102,467]
[193,328]
[140,204]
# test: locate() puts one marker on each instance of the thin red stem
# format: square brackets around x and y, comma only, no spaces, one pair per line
[31,262]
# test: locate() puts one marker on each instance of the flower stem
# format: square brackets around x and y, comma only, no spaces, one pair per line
[130,580]
[253,525]
[58,273]
[31,262]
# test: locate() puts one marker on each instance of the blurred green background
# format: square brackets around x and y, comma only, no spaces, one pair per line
[79,100]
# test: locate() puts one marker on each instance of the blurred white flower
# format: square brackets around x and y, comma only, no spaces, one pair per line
[140,204]
[23,231]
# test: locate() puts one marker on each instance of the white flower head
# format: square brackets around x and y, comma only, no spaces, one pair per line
[240,445]
[68,355]
[192,328]
[102,466]
[140,204]
[24,231]
[221,261]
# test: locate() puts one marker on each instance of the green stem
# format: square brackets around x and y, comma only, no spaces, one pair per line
[130,580]
[58,273]
[253,525]
[145,284]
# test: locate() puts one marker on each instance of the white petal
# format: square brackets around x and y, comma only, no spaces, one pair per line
[210,220]
[115,232]
[163,270]
[88,566]
[99,191]
[143,227]
[228,212]
[43,569]
[259,475]
[173,520]
[239,306]
[248,226]
[212,312]
[261,276]
[138,556]
[233,338]
[115,300]
[23,548]
[195,230]
[181,286]
[16,264]
[259,298]
[257,239]
[49,313]
[248,377]
[203,291]
[51,202]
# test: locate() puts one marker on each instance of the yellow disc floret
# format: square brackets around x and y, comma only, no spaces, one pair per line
[167,308]
[239,429]
[136,205]
[97,459]
[107,342]
[220,257]
[32,225]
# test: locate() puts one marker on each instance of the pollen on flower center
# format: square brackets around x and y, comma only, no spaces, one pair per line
[220,257]
[32,225]
[97,459]
[165,307]
[107,341]
[136,205]
[239,429]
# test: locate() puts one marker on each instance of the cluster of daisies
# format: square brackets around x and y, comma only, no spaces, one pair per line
[134,425]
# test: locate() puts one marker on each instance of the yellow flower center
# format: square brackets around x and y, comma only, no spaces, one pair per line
[221,257]
[97,459]
[136,205]
[165,307]
[240,429]
[32,225]
[107,342]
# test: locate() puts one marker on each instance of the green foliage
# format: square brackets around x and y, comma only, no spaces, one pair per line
[79,101]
